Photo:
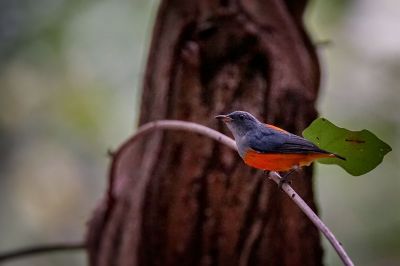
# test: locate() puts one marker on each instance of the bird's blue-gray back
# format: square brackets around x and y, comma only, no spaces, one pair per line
[267,140]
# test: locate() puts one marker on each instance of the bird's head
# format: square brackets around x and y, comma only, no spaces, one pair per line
[239,122]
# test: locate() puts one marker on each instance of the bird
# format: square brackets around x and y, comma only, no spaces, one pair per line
[270,148]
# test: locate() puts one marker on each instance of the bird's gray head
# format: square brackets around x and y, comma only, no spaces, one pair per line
[239,122]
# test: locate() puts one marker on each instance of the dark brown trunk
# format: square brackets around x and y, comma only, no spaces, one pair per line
[181,199]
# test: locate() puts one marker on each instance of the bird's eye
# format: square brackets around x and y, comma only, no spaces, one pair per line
[241,117]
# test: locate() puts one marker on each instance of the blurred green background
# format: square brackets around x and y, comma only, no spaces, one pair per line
[70,73]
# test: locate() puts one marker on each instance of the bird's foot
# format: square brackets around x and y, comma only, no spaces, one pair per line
[284,180]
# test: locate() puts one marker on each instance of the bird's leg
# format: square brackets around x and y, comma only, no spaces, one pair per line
[285,178]
[266,172]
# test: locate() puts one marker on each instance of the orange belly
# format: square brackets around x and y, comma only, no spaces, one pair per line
[280,161]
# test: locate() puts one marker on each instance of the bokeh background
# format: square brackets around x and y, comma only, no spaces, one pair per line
[70,75]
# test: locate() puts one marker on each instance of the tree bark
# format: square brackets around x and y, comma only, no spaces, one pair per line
[181,199]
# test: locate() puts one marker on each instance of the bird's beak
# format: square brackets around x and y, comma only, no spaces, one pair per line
[224,118]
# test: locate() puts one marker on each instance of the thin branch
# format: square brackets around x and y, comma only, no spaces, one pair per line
[161,124]
[196,128]
[41,249]
[314,218]
[211,133]
[324,43]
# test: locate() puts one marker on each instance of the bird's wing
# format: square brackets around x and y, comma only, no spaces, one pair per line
[276,142]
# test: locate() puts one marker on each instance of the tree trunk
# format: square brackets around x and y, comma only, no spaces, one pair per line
[181,199]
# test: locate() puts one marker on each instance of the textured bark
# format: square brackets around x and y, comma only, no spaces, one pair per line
[181,199]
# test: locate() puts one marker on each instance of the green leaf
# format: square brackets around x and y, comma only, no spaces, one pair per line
[362,149]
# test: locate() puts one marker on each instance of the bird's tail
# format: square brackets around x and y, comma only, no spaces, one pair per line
[337,156]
